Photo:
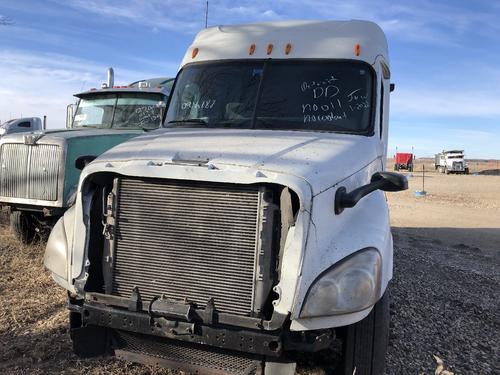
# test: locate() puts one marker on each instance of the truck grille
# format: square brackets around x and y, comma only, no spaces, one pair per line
[187,240]
[29,171]
[187,357]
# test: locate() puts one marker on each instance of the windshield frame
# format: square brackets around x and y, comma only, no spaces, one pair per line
[115,96]
[368,132]
[7,123]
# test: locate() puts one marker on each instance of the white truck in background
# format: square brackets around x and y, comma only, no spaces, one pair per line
[451,161]
[20,125]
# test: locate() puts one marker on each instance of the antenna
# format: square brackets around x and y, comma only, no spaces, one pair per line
[206,16]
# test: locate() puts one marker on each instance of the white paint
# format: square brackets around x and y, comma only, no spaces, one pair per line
[309,39]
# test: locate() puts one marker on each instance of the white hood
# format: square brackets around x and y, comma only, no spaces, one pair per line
[322,159]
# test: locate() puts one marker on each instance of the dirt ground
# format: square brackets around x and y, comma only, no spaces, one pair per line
[445,288]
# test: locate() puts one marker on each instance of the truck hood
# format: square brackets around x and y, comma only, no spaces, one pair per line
[50,135]
[322,159]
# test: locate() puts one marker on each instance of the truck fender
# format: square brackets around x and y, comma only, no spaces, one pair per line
[56,252]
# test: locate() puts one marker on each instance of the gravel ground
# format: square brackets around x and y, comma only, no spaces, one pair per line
[445,303]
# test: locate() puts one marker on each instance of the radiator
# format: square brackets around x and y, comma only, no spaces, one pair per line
[188,240]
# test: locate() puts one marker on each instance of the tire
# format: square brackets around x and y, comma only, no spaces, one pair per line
[446,171]
[365,342]
[396,167]
[466,170]
[22,226]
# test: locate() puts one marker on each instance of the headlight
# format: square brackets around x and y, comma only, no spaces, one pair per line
[2,131]
[350,285]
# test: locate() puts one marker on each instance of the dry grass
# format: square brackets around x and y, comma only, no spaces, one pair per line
[34,337]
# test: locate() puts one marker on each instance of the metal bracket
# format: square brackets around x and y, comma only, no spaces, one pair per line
[168,308]
[135,303]
[209,315]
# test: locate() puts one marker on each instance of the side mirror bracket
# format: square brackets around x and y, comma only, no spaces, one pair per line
[82,161]
[385,181]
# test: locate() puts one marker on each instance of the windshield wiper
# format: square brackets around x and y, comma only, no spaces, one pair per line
[198,121]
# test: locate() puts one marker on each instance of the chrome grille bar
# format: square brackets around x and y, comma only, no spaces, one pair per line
[29,171]
[14,170]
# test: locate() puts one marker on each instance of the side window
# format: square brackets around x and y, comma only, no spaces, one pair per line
[381,120]
[24,124]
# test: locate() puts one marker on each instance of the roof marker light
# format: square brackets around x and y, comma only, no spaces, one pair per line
[194,53]
[251,49]
[269,48]
[288,48]
[357,49]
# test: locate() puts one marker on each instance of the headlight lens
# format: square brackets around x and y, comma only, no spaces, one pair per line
[2,131]
[351,285]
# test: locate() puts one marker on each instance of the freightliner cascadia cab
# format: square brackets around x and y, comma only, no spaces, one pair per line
[253,229]
[39,170]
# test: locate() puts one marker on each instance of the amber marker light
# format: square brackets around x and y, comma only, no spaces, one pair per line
[251,49]
[288,48]
[357,49]
[194,53]
[269,48]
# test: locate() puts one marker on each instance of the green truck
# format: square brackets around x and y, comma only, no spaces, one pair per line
[39,171]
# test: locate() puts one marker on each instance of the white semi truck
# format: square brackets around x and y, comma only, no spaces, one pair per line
[451,161]
[21,125]
[254,226]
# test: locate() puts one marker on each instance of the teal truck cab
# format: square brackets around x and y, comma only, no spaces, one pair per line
[39,171]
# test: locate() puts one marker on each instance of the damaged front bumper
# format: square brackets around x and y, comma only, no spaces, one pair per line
[147,334]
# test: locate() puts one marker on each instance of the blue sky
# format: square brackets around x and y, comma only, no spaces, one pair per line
[445,57]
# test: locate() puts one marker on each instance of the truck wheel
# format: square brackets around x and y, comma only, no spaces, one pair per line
[365,342]
[395,167]
[466,170]
[22,227]
[446,171]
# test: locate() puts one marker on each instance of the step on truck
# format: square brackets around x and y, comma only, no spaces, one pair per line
[451,161]
[39,170]
[253,229]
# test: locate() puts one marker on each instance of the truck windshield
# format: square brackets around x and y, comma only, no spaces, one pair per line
[140,111]
[6,124]
[306,95]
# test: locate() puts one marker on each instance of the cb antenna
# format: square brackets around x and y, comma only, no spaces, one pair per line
[206,15]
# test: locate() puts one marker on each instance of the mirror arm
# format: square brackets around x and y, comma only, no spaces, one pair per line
[343,199]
